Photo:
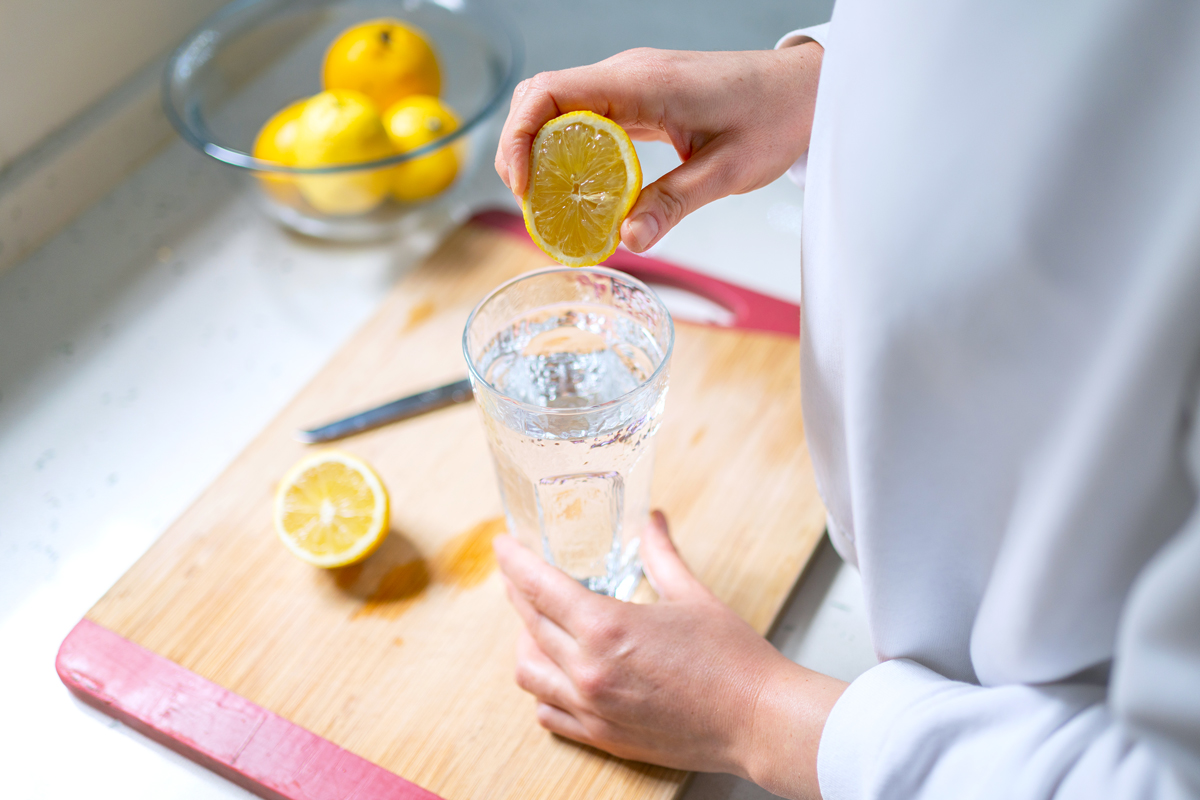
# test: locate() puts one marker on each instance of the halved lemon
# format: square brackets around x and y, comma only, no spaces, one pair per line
[331,509]
[584,176]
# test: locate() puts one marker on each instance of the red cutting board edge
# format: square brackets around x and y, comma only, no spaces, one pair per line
[253,747]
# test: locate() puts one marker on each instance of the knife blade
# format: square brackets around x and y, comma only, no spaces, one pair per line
[396,410]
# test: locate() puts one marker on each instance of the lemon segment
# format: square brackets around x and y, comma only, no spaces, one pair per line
[415,122]
[276,141]
[336,128]
[584,176]
[385,60]
[331,509]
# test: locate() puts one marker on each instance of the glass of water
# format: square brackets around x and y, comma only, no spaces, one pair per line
[569,368]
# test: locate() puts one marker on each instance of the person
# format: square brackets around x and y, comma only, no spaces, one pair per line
[1001,389]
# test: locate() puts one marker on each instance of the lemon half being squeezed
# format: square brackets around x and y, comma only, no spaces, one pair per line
[331,509]
[584,176]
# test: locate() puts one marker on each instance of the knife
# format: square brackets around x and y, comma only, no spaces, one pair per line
[405,407]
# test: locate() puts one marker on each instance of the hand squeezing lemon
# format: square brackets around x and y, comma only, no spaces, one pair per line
[381,83]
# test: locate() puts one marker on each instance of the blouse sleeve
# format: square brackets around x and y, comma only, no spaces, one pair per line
[903,731]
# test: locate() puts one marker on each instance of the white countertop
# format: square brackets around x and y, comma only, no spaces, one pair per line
[169,324]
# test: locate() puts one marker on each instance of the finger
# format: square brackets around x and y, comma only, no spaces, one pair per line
[549,590]
[553,640]
[665,570]
[532,107]
[541,677]
[504,169]
[649,135]
[558,721]
[708,175]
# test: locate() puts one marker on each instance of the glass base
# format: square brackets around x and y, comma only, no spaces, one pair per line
[621,586]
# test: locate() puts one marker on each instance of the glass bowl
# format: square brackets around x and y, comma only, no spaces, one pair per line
[254,57]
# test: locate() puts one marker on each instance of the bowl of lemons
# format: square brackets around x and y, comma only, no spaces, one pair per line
[352,116]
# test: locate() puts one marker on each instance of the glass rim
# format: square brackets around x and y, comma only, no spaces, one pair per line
[608,271]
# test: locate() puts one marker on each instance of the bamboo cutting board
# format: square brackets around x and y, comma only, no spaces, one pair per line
[393,678]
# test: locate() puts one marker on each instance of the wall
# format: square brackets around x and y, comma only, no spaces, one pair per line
[60,56]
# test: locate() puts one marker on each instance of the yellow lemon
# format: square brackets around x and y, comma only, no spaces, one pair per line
[331,509]
[342,127]
[414,122]
[584,176]
[385,60]
[276,141]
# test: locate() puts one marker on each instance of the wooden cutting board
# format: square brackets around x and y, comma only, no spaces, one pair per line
[393,678]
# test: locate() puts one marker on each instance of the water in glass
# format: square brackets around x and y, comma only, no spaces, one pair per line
[572,394]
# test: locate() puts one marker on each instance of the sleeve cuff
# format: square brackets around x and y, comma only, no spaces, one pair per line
[863,718]
[813,33]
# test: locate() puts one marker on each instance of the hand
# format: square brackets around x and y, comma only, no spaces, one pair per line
[738,120]
[683,682]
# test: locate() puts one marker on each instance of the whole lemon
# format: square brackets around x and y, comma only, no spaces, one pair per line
[342,127]
[385,60]
[276,141]
[414,122]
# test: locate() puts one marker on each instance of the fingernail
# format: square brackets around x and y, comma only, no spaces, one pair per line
[642,231]
[512,180]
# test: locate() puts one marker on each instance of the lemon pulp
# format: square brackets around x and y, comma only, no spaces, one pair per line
[584,178]
[331,510]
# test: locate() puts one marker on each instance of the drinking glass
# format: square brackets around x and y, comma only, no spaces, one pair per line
[569,369]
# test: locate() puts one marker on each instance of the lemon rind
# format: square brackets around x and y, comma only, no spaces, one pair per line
[633,187]
[381,516]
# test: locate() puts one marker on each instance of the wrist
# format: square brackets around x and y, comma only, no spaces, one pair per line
[798,74]
[780,753]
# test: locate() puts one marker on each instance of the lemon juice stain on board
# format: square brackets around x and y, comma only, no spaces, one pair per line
[462,563]
[467,559]
[418,314]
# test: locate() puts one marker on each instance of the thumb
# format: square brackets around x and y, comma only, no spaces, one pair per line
[701,179]
[666,571]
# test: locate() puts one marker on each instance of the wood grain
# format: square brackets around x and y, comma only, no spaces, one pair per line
[406,660]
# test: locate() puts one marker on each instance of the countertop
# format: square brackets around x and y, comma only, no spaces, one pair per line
[172,319]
